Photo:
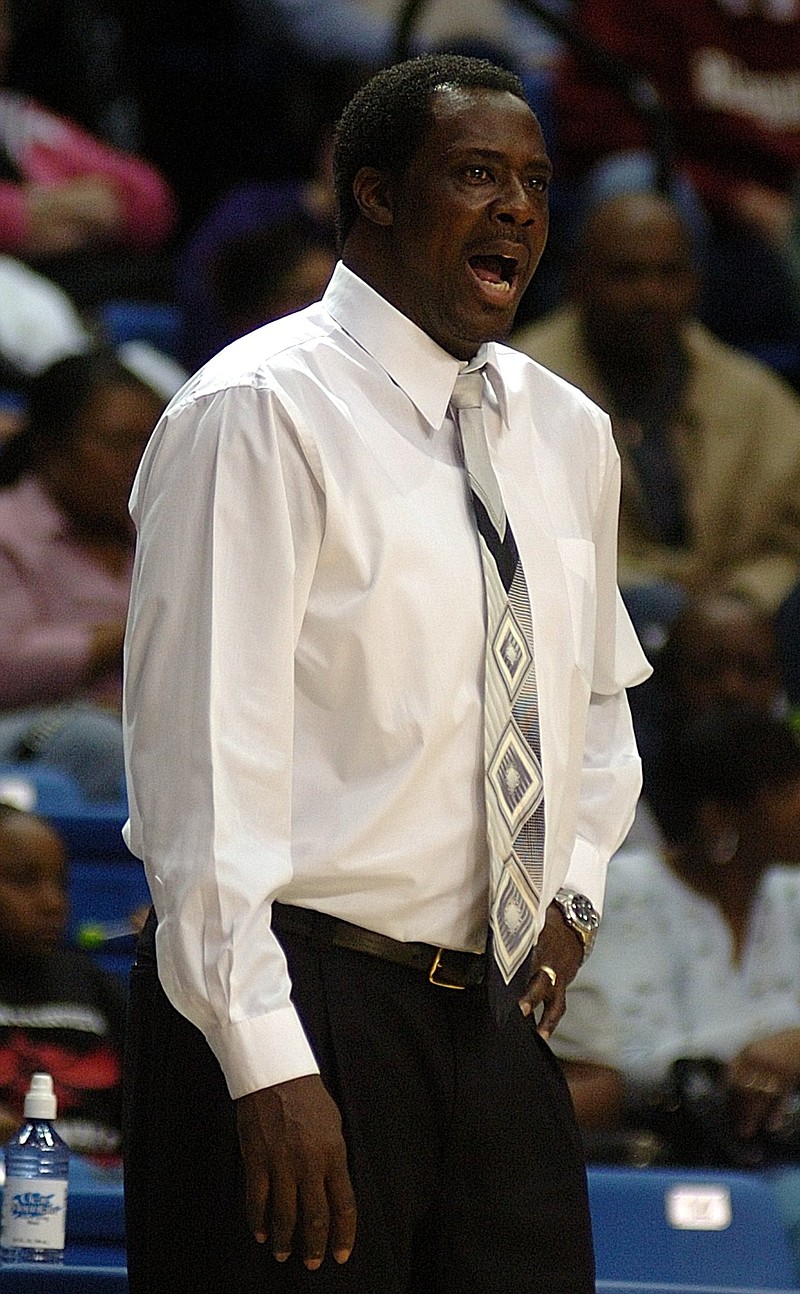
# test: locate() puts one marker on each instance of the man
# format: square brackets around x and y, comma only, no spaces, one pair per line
[709,438]
[305,713]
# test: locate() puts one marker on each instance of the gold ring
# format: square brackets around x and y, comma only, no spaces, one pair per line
[550,973]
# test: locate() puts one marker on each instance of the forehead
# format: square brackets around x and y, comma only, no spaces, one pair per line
[620,238]
[464,120]
[24,839]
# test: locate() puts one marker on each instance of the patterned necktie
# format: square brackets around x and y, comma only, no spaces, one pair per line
[514,787]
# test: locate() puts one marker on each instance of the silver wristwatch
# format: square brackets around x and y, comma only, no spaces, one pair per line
[580,915]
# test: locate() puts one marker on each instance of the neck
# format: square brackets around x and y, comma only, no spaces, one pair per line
[732,886]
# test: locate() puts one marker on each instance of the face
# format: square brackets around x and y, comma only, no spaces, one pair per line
[33,893]
[637,285]
[304,283]
[92,473]
[467,222]
[726,656]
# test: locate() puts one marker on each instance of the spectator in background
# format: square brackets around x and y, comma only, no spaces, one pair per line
[709,437]
[720,653]
[699,954]
[66,554]
[256,207]
[59,1012]
[267,274]
[71,205]
[728,72]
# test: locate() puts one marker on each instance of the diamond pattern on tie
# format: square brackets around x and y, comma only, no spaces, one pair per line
[511,652]
[515,777]
[514,785]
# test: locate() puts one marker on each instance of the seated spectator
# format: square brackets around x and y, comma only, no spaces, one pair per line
[267,274]
[59,1012]
[72,205]
[720,653]
[66,554]
[709,438]
[254,208]
[727,73]
[697,963]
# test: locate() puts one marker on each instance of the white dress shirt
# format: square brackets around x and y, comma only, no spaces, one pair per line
[304,660]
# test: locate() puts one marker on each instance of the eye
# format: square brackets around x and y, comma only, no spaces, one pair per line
[539,183]
[477,174]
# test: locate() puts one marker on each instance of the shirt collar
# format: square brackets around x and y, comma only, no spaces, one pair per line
[412,359]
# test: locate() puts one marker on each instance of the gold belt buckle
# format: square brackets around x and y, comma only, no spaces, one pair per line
[432,976]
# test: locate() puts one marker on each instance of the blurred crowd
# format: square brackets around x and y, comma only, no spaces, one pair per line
[165,187]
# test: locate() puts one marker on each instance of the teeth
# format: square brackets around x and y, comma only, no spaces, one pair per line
[502,286]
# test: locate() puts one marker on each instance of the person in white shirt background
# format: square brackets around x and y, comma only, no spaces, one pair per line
[304,729]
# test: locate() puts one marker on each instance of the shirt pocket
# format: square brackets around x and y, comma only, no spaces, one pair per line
[578,562]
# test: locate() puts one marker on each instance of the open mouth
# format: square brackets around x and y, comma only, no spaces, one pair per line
[498,273]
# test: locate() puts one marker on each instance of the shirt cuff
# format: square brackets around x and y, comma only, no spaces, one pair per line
[262,1052]
[587,873]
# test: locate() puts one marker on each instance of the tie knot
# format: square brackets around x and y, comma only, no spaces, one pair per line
[468,390]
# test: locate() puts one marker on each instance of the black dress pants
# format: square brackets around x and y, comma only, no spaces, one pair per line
[462,1143]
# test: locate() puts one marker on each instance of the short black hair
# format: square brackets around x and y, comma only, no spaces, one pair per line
[727,756]
[250,270]
[56,398]
[386,120]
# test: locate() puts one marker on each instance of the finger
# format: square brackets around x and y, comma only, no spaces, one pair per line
[256,1196]
[550,1017]
[541,988]
[315,1221]
[342,1202]
[283,1217]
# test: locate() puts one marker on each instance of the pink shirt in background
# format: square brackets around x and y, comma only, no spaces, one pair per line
[47,149]
[52,593]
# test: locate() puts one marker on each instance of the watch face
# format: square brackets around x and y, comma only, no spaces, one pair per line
[584,910]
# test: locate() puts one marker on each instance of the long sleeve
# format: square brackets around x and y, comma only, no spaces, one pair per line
[611,769]
[229,520]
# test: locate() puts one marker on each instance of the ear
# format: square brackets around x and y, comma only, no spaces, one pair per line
[372,192]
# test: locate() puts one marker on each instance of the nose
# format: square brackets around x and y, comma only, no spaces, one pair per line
[517,204]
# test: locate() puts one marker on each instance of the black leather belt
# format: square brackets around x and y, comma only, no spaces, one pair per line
[445,967]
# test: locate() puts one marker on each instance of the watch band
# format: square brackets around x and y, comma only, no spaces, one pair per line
[580,915]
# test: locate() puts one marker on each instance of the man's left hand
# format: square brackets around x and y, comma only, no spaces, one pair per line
[558,949]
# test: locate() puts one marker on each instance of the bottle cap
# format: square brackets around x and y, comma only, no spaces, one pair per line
[40,1099]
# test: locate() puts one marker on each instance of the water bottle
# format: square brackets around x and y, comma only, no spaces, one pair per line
[33,1222]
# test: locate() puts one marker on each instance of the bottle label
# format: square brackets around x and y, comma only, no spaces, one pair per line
[34,1213]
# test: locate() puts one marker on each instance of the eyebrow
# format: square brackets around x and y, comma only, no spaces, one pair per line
[541,163]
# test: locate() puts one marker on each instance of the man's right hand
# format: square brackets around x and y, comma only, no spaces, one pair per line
[296,1170]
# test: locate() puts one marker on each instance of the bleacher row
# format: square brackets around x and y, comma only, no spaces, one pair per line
[657,1231]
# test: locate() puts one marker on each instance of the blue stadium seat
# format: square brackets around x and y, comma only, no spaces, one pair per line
[662,1229]
[33,1278]
[152,321]
[40,788]
[649,1287]
[106,883]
